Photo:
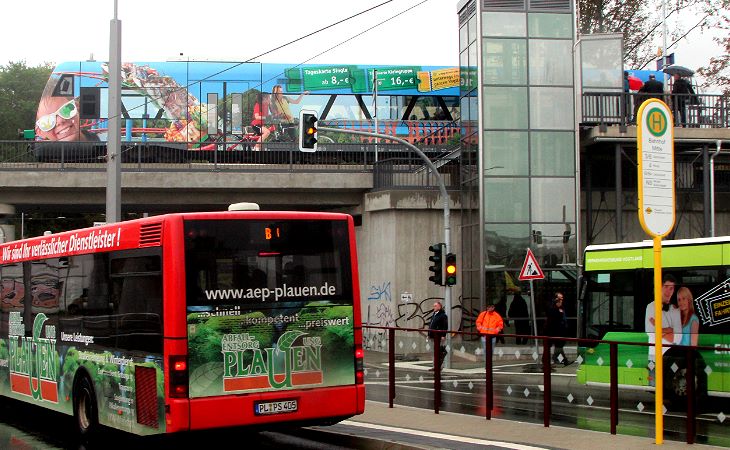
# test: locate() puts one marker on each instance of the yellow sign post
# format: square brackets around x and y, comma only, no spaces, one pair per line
[655,142]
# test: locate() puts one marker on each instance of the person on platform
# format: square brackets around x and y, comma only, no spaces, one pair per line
[682,95]
[489,323]
[520,315]
[557,326]
[436,330]
[651,89]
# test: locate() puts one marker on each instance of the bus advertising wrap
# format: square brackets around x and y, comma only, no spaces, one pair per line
[41,369]
[234,351]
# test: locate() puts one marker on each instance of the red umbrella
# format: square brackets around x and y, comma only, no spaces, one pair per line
[635,83]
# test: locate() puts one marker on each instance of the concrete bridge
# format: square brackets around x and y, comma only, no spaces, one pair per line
[155,180]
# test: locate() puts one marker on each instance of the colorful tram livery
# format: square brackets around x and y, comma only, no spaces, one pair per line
[186,321]
[183,108]
[618,286]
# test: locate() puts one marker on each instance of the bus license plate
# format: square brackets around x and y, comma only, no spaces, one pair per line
[284,406]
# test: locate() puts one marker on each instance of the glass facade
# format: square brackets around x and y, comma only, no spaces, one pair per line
[552,153]
[547,62]
[526,140]
[507,153]
[504,61]
[471,229]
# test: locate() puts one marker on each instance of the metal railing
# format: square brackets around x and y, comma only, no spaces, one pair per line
[229,155]
[620,108]
[543,365]
[410,172]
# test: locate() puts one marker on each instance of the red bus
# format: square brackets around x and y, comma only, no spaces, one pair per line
[186,321]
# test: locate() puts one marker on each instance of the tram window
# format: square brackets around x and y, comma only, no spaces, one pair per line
[611,304]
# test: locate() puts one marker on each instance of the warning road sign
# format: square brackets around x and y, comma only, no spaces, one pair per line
[530,268]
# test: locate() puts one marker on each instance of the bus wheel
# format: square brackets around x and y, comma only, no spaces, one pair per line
[85,409]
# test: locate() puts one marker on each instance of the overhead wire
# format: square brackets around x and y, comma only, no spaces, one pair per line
[252,59]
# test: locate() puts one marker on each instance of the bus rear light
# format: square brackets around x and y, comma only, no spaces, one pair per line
[359,366]
[178,376]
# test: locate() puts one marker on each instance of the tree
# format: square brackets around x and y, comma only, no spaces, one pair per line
[20,91]
[717,72]
[639,21]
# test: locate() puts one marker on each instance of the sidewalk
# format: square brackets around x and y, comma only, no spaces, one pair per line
[506,431]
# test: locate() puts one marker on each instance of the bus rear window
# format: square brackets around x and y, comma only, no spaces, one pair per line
[249,262]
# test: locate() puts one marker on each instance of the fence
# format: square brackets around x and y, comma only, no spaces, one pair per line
[417,132]
[411,172]
[564,395]
[620,108]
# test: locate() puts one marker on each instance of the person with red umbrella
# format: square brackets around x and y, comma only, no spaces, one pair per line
[631,84]
[635,83]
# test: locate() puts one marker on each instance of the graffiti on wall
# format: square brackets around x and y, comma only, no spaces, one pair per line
[383,311]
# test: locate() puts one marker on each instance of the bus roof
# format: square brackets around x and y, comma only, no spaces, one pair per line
[650,243]
[713,251]
[143,232]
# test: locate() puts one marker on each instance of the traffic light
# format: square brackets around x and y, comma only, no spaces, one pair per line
[307,131]
[437,264]
[450,269]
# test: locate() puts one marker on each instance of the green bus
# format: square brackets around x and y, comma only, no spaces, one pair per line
[616,288]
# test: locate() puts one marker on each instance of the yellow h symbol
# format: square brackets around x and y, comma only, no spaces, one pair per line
[657,122]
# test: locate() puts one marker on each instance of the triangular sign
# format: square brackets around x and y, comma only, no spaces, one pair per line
[530,268]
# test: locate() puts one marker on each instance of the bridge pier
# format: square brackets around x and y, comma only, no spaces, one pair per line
[7,231]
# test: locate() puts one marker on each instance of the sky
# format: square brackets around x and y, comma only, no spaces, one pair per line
[160,30]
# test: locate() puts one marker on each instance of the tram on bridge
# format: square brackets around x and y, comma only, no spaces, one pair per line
[196,107]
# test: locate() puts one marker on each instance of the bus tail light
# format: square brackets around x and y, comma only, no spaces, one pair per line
[178,376]
[359,365]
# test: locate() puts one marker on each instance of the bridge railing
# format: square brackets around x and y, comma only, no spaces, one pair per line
[417,132]
[410,172]
[232,155]
[691,111]
[524,382]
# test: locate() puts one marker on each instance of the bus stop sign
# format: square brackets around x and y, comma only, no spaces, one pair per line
[655,142]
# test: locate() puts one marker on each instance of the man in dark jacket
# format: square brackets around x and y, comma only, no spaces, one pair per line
[651,89]
[557,326]
[440,322]
[519,313]
[682,94]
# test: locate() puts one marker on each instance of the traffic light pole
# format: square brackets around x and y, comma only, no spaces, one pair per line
[444,196]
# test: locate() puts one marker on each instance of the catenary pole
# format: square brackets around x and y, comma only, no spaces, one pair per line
[114,141]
